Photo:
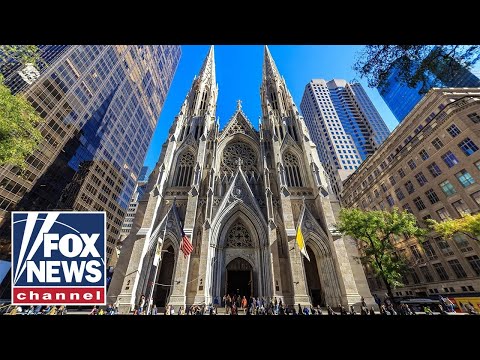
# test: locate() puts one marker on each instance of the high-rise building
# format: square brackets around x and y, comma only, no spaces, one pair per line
[240,194]
[344,125]
[142,177]
[132,207]
[401,99]
[429,166]
[100,106]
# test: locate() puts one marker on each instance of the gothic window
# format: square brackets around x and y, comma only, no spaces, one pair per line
[233,152]
[239,237]
[273,97]
[184,174]
[292,170]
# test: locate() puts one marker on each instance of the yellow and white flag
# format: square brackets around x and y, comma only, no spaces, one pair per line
[300,241]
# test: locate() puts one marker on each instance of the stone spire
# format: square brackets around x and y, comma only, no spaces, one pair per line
[207,73]
[270,70]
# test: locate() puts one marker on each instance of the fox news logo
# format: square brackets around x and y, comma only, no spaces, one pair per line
[58,257]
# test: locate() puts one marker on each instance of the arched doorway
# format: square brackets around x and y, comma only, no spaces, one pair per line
[239,279]
[313,278]
[165,277]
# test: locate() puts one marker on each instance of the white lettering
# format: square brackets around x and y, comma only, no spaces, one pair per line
[21,296]
[47,296]
[95,274]
[34,296]
[99,295]
[90,245]
[87,296]
[38,271]
[76,247]
[60,296]
[74,296]
[48,245]
[51,271]
[73,270]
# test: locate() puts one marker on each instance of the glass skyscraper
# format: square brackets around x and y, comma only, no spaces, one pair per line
[401,99]
[101,105]
[344,124]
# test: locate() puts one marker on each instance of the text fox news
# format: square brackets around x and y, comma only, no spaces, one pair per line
[58,258]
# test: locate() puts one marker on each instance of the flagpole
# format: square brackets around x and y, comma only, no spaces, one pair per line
[156,271]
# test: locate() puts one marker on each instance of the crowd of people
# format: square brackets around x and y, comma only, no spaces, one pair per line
[33,310]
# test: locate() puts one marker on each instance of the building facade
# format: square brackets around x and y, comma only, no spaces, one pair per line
[100,106]
[344,124]
[401,99]
[429,166]
[239,193]
[132,207]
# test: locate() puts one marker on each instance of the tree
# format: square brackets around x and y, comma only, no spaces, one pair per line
[468,225]
[19,135]
[373,230]
[415,63]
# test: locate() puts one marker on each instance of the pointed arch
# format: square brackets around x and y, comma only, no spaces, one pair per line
[292,169]
[185,166]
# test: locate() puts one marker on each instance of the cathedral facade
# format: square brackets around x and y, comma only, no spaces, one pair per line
[239,194]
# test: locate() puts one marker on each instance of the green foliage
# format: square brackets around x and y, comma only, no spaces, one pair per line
[415,63]
[19,135]
[374,231]
[468,225]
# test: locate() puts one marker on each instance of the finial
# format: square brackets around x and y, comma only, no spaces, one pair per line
[239,162]
[303,200]
[239,104]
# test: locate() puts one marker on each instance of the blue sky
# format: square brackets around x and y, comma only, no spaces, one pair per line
[239,76]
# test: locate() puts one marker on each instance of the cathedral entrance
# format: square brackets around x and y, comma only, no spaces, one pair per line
[164,278]
[313,278]
[239,279]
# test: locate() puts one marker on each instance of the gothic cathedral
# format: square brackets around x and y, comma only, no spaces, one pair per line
[239,194]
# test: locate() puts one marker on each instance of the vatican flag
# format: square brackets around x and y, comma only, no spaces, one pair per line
[300,241]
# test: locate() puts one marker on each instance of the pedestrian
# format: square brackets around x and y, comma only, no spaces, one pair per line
[372,311]
[154,310]
[352,310]
[244,304]
[141,304]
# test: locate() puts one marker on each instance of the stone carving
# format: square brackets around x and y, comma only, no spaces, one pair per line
[233,152]
[239,237]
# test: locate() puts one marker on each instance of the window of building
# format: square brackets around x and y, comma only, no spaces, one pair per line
[470,288]
[474,262]
[423,154]
[426,274]
[462,242]
[183,176]
[447,188]
[457,269]
[429,251]
[384,188]
[376,193]
[409,186]
[416,279]
[416,253]
[432,196]
[476,197]
[443,246]
[474,117]
[468,147]
[400,195]
[453,130]
[408,208]
[443,214]
[442,274]
[382,205]
[401,172]
[437,143]
[434,169]
[292,170]
[465,178]
[450,159]
[412,164]
[390,200]
[419,203]
[422,180]
[461,207]
[392,180]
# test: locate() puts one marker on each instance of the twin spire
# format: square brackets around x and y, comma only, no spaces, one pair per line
[207,72]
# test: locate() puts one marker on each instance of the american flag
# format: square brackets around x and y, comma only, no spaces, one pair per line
[185,244]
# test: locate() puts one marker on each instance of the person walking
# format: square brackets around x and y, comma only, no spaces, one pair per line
[141,304]
[244,304]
